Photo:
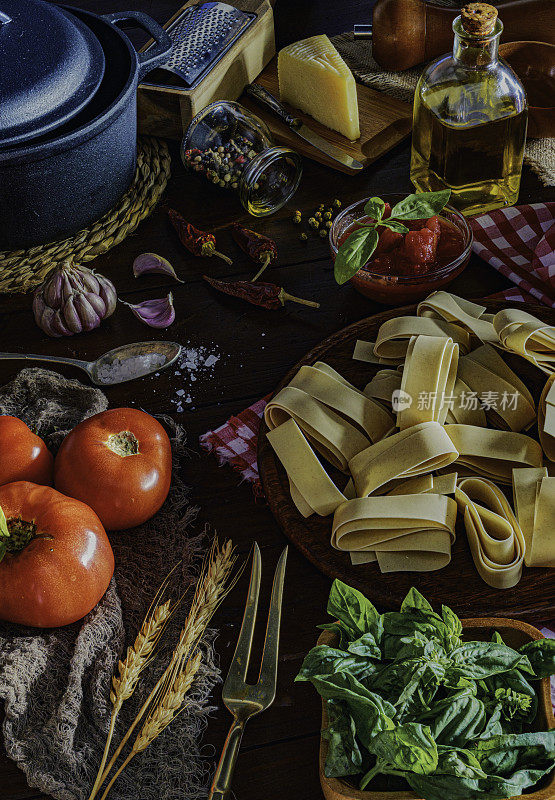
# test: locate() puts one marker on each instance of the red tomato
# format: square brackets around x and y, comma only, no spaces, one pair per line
[23,455]
[65,567]
[119,463]
[420,246]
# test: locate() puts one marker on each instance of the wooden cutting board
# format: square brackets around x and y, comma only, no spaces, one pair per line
[384,122]
[458,585]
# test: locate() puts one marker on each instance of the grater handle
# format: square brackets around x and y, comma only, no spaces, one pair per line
[155,55]
[264,98]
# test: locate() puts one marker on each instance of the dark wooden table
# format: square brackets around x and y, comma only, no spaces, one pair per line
[280,746]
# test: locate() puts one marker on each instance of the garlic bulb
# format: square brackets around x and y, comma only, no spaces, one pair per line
[73,299]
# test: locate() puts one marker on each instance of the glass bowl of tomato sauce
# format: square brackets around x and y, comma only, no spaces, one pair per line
[407,267]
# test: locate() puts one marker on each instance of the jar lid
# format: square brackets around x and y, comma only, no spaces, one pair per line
[53,65]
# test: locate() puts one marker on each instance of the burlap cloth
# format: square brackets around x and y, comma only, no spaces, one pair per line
[539,153]
[54,684]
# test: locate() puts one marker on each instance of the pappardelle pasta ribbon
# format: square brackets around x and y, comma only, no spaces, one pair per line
[411,532]
[508,402]
[494,535]
[312,489]
[534,501]
[324,384]
[451,308]
[492,453]
[546,418]
[395,334]
[428,380]
[334,438]
[414,451]
[528,336]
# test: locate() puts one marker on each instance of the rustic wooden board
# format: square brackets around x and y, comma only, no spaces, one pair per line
[458,585]
[384,122]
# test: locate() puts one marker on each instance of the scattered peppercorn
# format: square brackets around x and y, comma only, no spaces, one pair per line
[337,203]
[323,233]
[303,237]
[313,223]
[328,223]
[328,215]
[297,217]
[318,216]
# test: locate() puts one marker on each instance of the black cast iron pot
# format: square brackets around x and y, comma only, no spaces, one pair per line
[61,182]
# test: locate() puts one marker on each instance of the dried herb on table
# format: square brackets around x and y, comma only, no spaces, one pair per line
[259,248]
[265,295]
[199,243]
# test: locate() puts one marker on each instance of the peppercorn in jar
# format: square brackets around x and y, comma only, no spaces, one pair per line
[232,148]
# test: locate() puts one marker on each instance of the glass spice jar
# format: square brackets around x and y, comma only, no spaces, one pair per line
[233,149]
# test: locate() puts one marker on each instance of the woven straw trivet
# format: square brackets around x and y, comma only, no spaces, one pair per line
[22,270]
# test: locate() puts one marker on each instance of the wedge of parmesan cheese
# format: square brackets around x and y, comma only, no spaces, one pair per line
[314,78]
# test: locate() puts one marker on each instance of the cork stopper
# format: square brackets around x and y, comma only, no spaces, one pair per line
[479,19]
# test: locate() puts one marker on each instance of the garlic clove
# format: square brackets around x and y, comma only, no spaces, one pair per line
[107,292]
[158,313]
[89,280]
[71,316]
[151,263]
[53,290]
[58,326]
[90,310]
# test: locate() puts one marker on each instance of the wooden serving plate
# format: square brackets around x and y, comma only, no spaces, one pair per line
[515,633]
[458,584]
[384,122]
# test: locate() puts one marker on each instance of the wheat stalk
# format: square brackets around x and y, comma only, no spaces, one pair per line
[138,656]
[166,699]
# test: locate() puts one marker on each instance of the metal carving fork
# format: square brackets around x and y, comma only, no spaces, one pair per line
[243,699]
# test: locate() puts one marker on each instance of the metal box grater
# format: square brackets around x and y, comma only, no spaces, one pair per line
[245,44]
[202,34]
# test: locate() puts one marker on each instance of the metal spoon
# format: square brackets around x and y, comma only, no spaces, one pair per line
[101,372]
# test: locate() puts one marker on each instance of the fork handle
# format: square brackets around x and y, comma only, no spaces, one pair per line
[221,785]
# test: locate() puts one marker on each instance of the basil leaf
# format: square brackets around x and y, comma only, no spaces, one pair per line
[407,747]
[421,205]
[414,601]
[324,660]
[457,719]
[375,208]
[354,253]
[394,225]
[453,627]
[479,660]
[353,609]
[370,712]
[494,725]
[344,756]
[365,646]
[541,654]
[514,682]
[505,754]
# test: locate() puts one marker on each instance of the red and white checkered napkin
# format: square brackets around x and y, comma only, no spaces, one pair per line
[234,443]
[519,242]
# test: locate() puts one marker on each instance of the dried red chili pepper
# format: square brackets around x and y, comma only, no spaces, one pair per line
[260,248]
[265,295]
[199,243]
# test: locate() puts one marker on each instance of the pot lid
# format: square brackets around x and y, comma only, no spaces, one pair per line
[56,65]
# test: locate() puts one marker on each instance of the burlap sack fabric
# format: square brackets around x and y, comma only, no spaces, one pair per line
[54,684]
[539,153]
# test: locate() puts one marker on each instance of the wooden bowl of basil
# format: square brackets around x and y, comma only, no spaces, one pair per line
[515,634]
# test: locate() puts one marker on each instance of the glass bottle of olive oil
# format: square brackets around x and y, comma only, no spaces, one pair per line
[470,117]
